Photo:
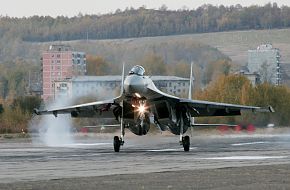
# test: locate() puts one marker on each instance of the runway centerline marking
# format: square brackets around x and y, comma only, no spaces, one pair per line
[245,158]
[170,149]
[84,144]
[250,143]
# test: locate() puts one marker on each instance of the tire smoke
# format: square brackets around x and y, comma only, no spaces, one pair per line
[58,131]
[53,131]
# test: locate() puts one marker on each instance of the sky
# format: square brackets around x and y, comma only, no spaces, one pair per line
[26,8]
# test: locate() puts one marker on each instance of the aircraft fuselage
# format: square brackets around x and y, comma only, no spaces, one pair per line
[138,108]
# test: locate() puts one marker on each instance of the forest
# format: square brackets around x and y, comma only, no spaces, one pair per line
[142,22]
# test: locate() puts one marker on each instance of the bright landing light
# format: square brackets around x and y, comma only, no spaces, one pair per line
[141,109]
[138,95]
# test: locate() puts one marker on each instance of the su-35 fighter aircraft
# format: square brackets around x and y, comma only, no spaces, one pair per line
[141,103]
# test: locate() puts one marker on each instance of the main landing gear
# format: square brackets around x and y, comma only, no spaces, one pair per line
[185,143]
[117,143]
[183,140]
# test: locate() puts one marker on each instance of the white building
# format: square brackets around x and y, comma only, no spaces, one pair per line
[265,61]
[109,86]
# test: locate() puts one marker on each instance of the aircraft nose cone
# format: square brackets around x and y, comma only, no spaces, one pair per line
[134,84]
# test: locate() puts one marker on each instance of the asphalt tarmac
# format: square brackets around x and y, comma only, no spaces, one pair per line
[235,161]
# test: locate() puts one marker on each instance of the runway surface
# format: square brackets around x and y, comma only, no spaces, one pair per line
[149,162]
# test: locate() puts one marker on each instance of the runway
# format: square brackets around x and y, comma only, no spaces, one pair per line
[90,162]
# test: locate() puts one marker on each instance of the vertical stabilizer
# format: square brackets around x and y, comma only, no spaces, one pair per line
[190,83]
[190,96]
[123,76]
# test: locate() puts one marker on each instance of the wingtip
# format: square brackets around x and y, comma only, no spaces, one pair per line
[267,109]
[271,109]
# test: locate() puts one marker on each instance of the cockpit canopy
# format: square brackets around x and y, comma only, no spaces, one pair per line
[137,70]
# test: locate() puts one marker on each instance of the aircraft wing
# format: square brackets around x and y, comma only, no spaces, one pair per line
[199,108]
[98,109]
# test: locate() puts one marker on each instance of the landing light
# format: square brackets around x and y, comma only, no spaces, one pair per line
[138,95]
[142,109]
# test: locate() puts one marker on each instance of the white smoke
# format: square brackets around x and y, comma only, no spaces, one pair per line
[58,131]
[53,131]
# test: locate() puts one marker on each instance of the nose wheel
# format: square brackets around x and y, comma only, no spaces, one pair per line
[186,143]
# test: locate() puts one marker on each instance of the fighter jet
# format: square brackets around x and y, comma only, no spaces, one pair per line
[140,104]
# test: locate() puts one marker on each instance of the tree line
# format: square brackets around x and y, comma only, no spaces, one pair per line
[143,22]
[16,115]
[237,89]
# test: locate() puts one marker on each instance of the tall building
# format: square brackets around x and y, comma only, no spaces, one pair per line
[265,61]
[60,62]
[105,87]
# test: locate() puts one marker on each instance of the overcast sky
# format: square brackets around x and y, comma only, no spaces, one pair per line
[21,8]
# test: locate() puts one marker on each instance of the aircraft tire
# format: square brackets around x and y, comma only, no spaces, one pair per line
[117,144]
[186,143]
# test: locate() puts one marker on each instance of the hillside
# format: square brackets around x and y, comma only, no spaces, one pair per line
[236,43]
[233,44]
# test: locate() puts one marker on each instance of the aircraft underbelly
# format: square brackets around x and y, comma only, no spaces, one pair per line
[170,117]
[137,126]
